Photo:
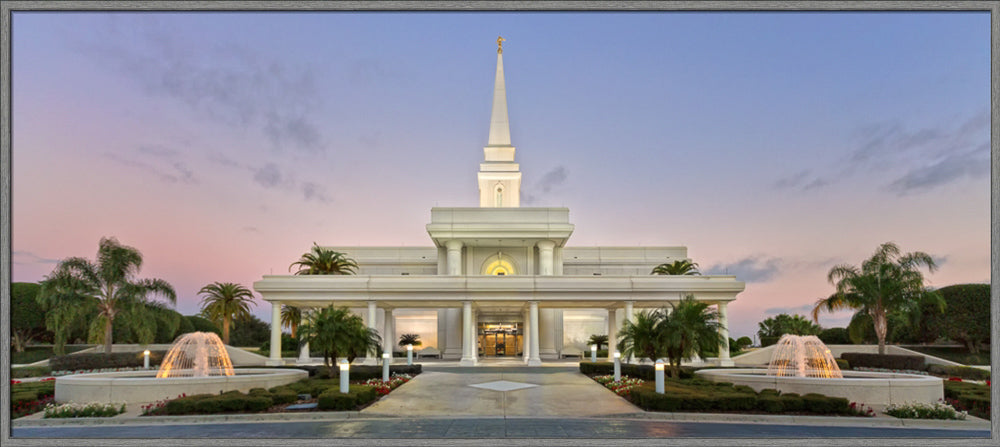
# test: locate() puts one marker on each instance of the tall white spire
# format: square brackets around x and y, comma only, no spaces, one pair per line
[499,176]
[499,125]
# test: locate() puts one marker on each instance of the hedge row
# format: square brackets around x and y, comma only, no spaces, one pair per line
[971,397]
[964,372]
[30,371]
[725,397]
[362,372]
[74,362]
[887,361]
[645,372]
[24,393]
[356,396]
[231,401]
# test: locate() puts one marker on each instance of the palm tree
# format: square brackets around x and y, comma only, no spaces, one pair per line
[885,282]
[77,287]
[338,333]
[409,339]
[225,302]
[322,261]
[644,336]
[291,317]
[678,267]
[692,328]
[599,340]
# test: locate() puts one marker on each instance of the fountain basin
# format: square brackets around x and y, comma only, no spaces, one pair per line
[143,387]
[871,388]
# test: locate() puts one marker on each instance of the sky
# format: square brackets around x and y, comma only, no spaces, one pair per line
[772,145]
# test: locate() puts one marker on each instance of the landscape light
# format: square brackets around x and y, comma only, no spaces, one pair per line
[386,360]
[345,374]
[593,353]
[659,375]
[618,366]
[409,354]
[145,359]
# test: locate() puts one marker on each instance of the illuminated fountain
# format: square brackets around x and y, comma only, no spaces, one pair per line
[198,354]
[802,356]
[197,363]
[803,365]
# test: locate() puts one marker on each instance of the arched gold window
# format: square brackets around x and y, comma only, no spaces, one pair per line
[499,267]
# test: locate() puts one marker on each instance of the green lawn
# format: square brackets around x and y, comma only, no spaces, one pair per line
[960,355]
[34,354]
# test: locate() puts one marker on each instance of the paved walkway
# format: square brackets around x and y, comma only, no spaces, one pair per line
[501,392]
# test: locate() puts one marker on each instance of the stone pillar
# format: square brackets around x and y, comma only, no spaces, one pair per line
[612,334]
[474,330]
[371,358]
[388,332]
[724,359]
[467,343]
[275,357]
[304,353]
[534,360]
[545,262]
[454,257]
[629,316]
[525,341]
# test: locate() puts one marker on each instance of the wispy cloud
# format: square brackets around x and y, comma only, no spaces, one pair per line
[268,176]
[231,84]
[316,192]
[163,163]
[928,157]
[550,180]
[22,257]
[749,269]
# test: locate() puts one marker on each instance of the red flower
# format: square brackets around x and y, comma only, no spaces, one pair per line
[954,379]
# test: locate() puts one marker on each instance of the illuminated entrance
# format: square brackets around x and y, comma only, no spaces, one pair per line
[501,339]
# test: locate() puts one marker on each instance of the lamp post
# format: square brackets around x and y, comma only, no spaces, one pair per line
[659,375]
[593,353]
[618,366]
[345,374]
[386,359]
[409,355]
[145,359]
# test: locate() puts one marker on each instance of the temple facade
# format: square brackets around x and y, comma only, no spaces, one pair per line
[500,280]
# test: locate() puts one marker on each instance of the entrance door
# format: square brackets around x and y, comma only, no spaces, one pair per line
[500,339]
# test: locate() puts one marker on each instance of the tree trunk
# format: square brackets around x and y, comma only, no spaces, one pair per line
[971,345]
[225,332]
[879,321]
[107,335]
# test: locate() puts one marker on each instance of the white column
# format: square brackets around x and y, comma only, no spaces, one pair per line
[534,360]
[612,330]
[724,359]
[545,257]
[474,333]
[525,341]
[304,353]
[467,342]
[371,358]
[388,332]
[454,257]
[275,358]
[629,317]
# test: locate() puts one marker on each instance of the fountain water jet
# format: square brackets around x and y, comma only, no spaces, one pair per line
[802,356]
[197,354]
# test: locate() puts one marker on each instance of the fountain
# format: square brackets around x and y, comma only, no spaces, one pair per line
[803,356]
[197,363]
[198,354]
[803,364]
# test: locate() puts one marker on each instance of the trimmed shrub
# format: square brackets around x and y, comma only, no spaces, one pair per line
[970,397]
[258,403]
[770,403]
[736,402]
[818,403]
[887,361]
[644,372]
[282,397]
[361,372]
[180,406]
[230,403]
[653,401]
[963,372]
[76,362]
[356,396]
[212,405]
[30,371]
[792,402]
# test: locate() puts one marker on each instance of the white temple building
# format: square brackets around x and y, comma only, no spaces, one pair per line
[500,280]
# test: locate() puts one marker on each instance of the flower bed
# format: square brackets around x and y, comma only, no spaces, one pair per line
[919,410]
[887,370]
[30,397]
[94,409]
[383,388]
[621,387]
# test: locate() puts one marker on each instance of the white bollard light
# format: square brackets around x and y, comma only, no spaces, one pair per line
[386,360]
[593,353]
[345,374]
[618,366]
[145,359]
[409,355]
[659,376]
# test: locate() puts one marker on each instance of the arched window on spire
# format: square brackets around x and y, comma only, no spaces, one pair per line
[499,196]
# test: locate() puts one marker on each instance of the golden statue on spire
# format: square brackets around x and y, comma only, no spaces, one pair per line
[500,41]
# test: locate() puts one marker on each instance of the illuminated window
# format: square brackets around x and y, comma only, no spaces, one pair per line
[499,267]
